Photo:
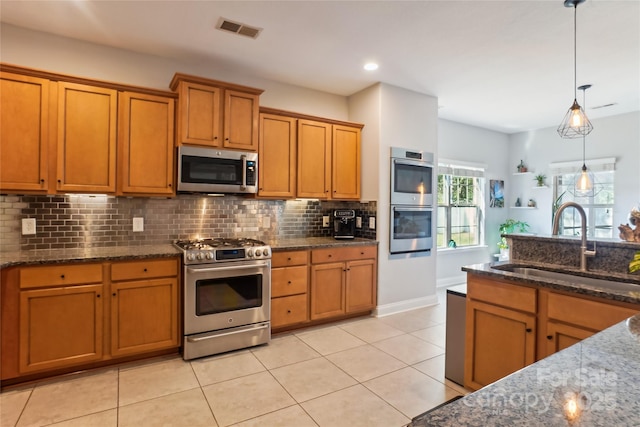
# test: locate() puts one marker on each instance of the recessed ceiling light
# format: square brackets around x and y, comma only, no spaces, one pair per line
[370,66]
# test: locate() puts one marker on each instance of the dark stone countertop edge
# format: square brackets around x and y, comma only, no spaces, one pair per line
[115,253]
[561,285]
[575,240]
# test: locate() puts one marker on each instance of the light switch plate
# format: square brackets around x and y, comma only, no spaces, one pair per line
[358,222]
[372,223]
[325,221]
[138,224]
[28,226]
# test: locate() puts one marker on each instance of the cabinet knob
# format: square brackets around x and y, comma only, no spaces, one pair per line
[62,276]
[549,337]
[226,139]
[330,255]
[145,270]
[114,294]
[528,329]
[361,253]
[289,282]
[288,311]
[98,295]
[289,259]
[170,185]
[42,180]
[215,138]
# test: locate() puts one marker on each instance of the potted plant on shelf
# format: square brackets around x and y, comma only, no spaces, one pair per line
[508,227]
[540,179]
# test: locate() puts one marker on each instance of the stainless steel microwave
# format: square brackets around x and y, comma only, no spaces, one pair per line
[212,170]
[412,173]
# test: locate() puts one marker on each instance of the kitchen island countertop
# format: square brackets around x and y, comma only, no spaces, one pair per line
[599,374]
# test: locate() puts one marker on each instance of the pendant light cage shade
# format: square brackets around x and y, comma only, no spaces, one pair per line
[584,183]
[575,124]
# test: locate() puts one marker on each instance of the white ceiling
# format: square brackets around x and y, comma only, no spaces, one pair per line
[502,65]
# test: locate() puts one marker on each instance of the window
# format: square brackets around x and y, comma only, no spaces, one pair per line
[598,204]
[460,205]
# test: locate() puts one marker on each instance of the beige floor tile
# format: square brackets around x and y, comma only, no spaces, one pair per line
[433,367]
[293,416]
[410,391]
[153,380]
[434,334]
[408,321]
[409,349]
[12,403]
[246,397]
[312,378]
[215,369]
[330,340]
[71,397]
[101,419]
[185,409]
[353,407]
[365,362]
[283,351]
[371,330]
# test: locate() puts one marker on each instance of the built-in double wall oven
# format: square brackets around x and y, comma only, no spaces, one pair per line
[412,195]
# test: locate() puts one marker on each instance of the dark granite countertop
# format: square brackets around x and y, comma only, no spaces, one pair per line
[574,285]
[55,256]
[600,373]
[97,254]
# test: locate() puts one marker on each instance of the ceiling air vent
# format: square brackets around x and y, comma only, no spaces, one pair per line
[238,28]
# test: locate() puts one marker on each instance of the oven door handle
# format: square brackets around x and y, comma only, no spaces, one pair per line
[413,163]
[412,209]
[219,269]
[224,334]
[244,172]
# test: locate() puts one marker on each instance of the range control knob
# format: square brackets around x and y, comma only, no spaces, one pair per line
[258,252]
[265,252]
[199,256]
[190,257]
[209,255]
[250,253]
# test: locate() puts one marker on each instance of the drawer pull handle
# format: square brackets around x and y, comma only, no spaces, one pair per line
[62,276]
[549,337]
[289,259]
[528,330]
[114,294]
[330,255]
[361,253]
[98,295]
[288,311]
[145,270]
[289,282]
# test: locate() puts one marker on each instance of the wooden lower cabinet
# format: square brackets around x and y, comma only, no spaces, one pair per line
[60,327]
[289,310]
[327,290]
[62,317]
[500,341]
[289,288]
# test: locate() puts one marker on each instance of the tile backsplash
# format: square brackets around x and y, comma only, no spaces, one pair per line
[71,221]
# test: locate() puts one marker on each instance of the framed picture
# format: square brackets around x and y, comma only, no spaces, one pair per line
[496,193]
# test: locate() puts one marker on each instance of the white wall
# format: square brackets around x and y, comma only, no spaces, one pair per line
[457,141]
[616,136]
[34,49]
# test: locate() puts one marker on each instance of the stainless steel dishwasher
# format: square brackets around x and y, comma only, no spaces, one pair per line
[454,354]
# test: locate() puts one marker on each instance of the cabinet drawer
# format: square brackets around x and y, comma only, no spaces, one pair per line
[319,256]
[289,281]
[144,269]
[285,259]
[289,310]
[582,312]
[56,275]
[501,293]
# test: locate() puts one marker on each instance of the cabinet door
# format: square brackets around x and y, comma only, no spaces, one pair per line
[498,342]
[327,290]
[199,115]
[345,164]
[145,144]
[60,327]
[560,336]
[86,160]
[361,286]
[241,120]
[144,316]
[24,134]
[277,154]
[314,159]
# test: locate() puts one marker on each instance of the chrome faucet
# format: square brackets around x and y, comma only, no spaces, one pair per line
[584,253]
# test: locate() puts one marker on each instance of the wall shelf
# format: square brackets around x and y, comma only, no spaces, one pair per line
[537,187]
[523,173]
[524,207]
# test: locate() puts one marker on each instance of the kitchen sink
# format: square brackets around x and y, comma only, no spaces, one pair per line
[604,284]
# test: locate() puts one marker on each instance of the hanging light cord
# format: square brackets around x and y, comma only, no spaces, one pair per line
[584,137]
[575,49]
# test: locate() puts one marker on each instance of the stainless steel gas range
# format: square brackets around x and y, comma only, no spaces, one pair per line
[227,295]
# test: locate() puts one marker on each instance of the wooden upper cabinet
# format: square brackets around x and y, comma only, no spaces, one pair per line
[24,133]
[86,138]
[277,156]
[314,159]
[345,163]
[145,144]
[216,114]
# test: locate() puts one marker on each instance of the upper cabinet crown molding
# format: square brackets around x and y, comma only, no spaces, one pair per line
[296,115]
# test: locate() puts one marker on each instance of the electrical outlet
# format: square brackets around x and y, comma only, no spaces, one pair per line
[28,226]
[358,222]
[138,224]
[325,221]
[372,223]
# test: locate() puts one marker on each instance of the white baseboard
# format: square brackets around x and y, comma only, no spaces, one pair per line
[452,280]
[399,307]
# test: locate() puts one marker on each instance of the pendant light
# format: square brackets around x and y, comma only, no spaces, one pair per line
[575,123]
[584,181]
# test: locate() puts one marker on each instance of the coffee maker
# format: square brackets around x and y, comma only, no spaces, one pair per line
[344,223]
